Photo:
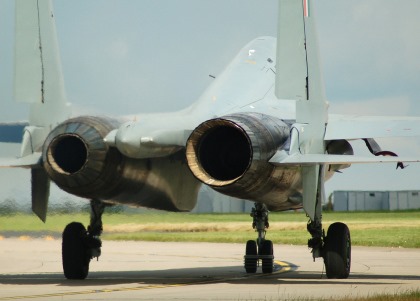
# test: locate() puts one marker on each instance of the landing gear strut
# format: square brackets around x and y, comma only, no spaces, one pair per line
[79,245]
[261,249]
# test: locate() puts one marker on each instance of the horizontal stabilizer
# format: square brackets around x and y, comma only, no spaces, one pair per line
[33,160]
[357,127]
[312,159]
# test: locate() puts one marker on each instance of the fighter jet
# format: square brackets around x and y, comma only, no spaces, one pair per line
[260,131]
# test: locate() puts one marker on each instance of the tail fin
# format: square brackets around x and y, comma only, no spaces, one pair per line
[298,72]
[38,81]
[38,76]
[291,68]
[298,76]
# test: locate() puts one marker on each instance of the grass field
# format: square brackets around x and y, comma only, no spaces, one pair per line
[406,296]
[391,229]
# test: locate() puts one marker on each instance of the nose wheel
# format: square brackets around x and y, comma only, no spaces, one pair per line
[251,256]
[267,257]
[260,249]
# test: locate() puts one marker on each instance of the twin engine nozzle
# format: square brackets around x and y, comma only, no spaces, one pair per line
[229,153]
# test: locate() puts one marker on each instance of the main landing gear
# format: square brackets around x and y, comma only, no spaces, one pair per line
[79,245]
[261,249]
[337,251]
[335,248]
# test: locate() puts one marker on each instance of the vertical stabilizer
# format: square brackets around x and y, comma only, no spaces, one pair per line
[38,81]
[298,70]
[298,76]
[298,65]
[38,76]
[291,69]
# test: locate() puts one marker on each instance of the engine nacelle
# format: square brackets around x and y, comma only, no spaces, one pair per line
[231,155]
[78,160]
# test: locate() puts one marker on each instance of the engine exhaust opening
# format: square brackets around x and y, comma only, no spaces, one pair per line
[224,152]
[68,153]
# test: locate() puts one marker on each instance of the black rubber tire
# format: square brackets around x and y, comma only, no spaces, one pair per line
[74,252]
[337,255]
[251,263]
[267,263]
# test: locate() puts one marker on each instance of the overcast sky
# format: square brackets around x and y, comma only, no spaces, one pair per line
[126,56]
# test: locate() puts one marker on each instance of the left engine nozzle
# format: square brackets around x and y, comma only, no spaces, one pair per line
[76,157]
[67,153]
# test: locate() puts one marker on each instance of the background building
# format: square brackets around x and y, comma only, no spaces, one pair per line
[210,201]
[375,200]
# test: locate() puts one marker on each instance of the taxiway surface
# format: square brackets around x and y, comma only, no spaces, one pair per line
[31,269]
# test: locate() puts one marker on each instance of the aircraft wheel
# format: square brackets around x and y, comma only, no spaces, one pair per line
[267,263]
[74,252]
[251,263]
[337,256]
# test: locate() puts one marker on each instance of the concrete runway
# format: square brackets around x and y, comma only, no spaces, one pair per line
[31,269]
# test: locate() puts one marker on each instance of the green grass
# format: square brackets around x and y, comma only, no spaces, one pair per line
[391,229]
[406,296]
[413,295]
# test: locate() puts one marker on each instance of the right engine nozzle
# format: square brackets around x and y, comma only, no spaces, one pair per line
[235,148]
